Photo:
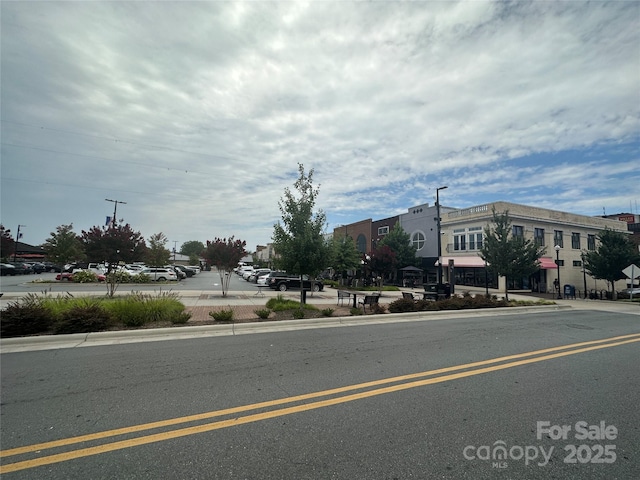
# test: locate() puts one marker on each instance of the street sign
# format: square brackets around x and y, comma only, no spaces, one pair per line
[632,271]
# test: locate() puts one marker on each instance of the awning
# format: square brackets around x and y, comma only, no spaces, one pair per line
[468,261]
[547,263]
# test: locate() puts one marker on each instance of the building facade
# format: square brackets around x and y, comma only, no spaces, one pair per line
[573,234]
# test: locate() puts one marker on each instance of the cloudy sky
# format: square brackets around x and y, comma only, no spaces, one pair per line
[196,114]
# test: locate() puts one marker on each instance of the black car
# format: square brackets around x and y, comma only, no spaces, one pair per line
[52,267]
[7,269]
[38,267]
[187,271]
[22,268]
[283,281]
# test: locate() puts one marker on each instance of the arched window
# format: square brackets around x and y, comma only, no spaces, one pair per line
[361,243]
[417,240]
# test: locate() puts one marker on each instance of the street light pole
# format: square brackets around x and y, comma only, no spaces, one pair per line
[584,275]
[115,210]
[557,248]
[15,247]
[439,235]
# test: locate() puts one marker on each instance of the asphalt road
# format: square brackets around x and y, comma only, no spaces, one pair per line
[396,401]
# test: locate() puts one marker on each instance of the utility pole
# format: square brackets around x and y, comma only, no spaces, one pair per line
[115,209]
[175,242]
[439,236]
[15,250]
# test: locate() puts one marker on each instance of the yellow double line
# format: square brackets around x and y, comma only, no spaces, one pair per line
[392,385]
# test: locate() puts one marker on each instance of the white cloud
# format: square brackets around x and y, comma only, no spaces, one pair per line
[197,113]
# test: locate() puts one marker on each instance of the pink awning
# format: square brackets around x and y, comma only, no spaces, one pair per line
[547,263]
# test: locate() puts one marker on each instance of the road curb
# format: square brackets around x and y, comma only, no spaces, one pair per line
[94,339]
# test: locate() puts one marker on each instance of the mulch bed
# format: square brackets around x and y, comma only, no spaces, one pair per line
[245,314]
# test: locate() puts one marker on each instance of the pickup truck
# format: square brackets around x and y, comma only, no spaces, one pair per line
[283,281]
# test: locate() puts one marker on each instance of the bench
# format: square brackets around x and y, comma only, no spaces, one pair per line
[370,300]
[342,295]
[407,296]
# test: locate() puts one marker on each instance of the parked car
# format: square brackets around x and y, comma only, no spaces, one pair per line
[286,282]
[262,279]
[22,268]
[244,268]
[179,273]
[7,269]
[68,277]
[253,278]
[195,268]
[189,272]
[52,267]
[38,267]
[159,274]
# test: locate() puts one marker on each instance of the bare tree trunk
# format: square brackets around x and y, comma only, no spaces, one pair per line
[225,279]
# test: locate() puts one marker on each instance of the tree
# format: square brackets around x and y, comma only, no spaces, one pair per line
[382,260]
[113,245]
[157,254]
[615,252]
[507,255]
[225,254]
[64,246]
[191,248]
[344,255]
[299,239]
[400,242]
[7,245]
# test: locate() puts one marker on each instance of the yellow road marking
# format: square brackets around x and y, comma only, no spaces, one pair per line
[290,410]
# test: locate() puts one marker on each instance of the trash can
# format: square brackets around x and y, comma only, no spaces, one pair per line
[569,291]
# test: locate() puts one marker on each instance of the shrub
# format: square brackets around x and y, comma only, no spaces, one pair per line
[222,315]
[281,304]
[180,318]
[356,311]
[83,318]
[298,313]
[327,312]
[263,313]
[85,276]
[24,319]
[140,278]
[379,308]
[119,276]
[402,305]
[128,311]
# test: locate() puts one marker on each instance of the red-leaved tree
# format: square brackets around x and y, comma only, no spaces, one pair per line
[224,254]
[382,261]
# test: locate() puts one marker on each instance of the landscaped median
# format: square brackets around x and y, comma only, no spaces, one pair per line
[65,314]
[46,314]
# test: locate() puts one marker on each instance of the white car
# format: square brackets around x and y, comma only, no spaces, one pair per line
[262,279]
[160,274]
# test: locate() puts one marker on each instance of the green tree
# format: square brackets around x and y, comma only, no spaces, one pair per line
[157,254]
[192,248]
[299,239]
[507,255]
[7,245]
[224,254]
[344,255]
[64,246]
[615,252]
